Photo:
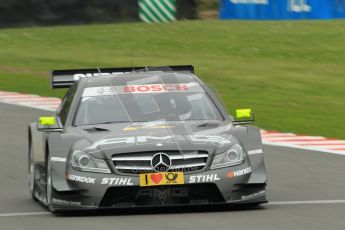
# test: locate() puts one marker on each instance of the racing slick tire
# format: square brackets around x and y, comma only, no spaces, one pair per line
[49,187]
[32,171]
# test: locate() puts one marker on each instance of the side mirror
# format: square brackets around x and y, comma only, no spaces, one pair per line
[48,124]
[243,116]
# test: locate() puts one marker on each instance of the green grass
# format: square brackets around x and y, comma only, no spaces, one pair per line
[291,73]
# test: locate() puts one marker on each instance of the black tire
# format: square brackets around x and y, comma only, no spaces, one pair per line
[49,186]
[31,174]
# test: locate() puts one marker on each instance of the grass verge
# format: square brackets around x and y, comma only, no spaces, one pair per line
[290,72]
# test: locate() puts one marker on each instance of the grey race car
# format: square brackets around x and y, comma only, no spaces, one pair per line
[143,137]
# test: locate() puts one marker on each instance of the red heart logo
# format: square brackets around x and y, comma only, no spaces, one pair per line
[156,177]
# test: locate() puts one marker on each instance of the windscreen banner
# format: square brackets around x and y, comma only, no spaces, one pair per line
[282,9]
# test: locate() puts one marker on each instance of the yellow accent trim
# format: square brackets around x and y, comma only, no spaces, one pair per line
[130,129]
[162,127]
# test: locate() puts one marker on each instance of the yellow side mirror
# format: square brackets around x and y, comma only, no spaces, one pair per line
[48,124]
[243,113]
[243,116]
[46,120]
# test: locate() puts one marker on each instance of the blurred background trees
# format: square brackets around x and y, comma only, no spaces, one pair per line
[19,13]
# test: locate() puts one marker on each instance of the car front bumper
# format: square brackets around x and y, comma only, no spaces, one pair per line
[231,185]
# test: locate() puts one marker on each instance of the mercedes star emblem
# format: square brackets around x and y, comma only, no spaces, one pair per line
[160,162]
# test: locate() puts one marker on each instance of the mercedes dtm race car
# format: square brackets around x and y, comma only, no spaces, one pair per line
[143,137]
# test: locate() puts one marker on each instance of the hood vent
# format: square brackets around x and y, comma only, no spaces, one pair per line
[96,130]
[208,125]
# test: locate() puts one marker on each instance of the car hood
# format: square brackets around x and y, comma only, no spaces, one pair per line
[104,141]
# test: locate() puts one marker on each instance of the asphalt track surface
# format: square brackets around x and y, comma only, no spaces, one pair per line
[306,190]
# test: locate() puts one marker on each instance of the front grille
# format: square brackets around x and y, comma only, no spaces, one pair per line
[140,162]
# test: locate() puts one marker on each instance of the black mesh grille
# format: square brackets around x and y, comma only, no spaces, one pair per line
[162,195]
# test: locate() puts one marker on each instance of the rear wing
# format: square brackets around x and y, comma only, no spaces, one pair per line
[66,78]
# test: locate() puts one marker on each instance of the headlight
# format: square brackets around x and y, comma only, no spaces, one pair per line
[233,156]
[83,162]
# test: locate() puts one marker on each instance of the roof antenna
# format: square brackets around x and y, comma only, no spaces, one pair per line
[132,61]
[99,71]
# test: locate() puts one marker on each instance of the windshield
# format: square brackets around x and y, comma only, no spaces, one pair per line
[145,103]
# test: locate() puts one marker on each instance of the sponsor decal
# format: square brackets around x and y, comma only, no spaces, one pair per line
[162,194]
[98,91]
[259,2]
[244,197]
[241,172]
[77,76]
[137,89]
[82,179]
[163,178]
[117,181]
[299,6]
[254,152]
[155,88]
[67,202]
[204,178]
[105,91]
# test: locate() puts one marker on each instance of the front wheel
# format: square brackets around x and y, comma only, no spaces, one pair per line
[32,171]
[49,187]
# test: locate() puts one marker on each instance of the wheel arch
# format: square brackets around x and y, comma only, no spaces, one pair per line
[250,137]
